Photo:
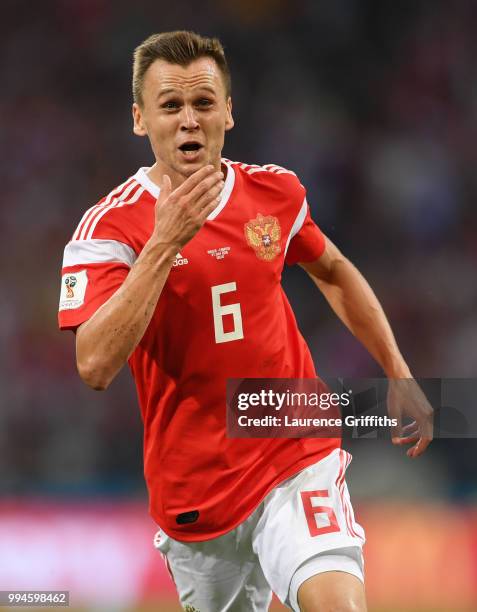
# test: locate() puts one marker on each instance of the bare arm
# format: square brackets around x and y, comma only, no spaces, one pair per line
[355,303]
[107,339]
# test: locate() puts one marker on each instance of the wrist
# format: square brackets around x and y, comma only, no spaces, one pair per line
[397,368]
[161,250]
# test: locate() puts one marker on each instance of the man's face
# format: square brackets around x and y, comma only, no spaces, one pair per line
[185,114]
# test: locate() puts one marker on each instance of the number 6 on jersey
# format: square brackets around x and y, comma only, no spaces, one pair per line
[220,311]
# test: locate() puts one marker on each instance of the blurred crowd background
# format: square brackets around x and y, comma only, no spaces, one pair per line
[372,103]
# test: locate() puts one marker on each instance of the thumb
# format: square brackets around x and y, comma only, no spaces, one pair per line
[166,188]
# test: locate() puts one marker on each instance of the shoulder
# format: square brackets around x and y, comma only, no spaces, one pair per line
[113,229]
[269,176]
[112,213]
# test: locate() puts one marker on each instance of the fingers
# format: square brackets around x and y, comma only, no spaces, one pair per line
[195,179]
[206,190]
[420,445]
[180,213]
[166,188]
[409,427]
[396,430]
[405,440]
[407,399]
[211,195]
[419,448]
[416,435]
[197,191]
[409,433]
[211,206]
[399,433]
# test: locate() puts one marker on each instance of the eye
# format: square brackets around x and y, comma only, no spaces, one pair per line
[204,102]
[170,105]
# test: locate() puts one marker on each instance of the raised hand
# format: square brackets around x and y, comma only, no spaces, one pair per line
[181,213]
[405,398]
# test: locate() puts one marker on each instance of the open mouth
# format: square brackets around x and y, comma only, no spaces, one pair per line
[190,148]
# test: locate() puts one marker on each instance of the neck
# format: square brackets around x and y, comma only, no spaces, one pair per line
[156,172]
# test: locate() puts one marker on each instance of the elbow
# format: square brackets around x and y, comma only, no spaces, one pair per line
[94,375]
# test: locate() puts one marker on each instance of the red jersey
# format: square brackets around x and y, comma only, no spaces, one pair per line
[222,314]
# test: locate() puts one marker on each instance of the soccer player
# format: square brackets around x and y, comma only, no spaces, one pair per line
[177,272]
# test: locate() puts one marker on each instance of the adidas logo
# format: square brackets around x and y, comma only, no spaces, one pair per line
[180,261]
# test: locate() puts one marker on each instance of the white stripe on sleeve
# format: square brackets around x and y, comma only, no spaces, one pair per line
[97,250]
[116,203]
[298,223]
[95,207]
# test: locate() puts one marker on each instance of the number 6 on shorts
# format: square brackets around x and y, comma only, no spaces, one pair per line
[311,511]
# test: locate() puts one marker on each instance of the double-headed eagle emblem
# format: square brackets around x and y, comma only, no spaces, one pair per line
[263,235]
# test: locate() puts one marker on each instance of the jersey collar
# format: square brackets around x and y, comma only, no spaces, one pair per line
[143,179]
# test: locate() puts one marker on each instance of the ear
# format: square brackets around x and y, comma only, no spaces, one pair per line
[229,120]
[139,127]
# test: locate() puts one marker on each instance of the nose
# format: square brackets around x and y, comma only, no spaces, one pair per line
[188,119]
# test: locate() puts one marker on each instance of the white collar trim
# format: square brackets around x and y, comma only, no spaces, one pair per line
[143,179]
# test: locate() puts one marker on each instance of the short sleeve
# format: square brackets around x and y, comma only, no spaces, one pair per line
[92,271]
[306,242]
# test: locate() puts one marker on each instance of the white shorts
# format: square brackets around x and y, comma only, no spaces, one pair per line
[303,527]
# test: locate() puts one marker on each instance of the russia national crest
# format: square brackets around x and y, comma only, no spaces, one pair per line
[263,235]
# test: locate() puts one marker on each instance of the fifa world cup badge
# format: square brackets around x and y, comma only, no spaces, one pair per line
[73,290]
[70,282]
[263,235]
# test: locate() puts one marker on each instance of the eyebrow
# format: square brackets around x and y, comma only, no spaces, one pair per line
[169,90]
